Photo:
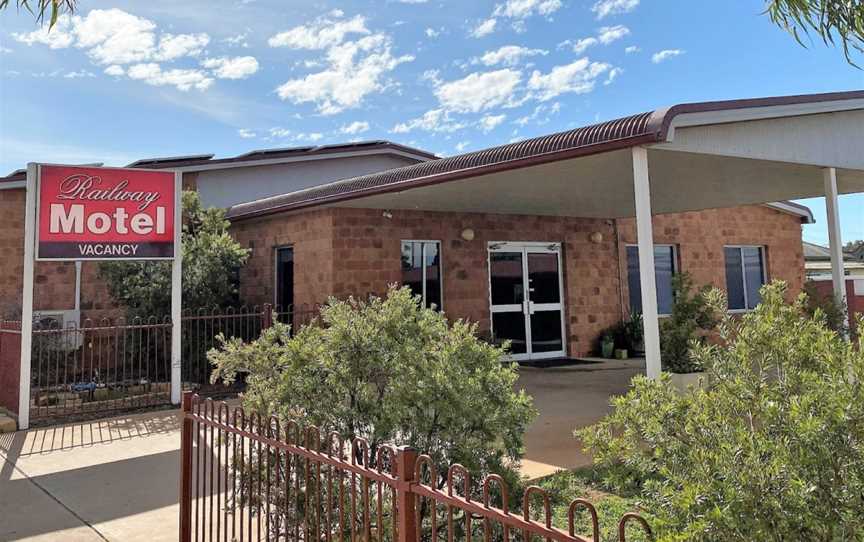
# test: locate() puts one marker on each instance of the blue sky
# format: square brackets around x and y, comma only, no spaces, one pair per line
[128,80]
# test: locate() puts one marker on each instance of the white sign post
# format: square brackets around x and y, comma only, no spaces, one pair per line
[76,213]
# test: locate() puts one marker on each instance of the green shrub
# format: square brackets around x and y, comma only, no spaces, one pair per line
[773,450]
[690,318]
[389,371]
[826,306]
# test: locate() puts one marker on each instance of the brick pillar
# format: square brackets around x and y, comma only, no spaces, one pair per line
[10,365]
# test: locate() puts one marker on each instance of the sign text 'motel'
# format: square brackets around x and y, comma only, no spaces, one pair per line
[105,214]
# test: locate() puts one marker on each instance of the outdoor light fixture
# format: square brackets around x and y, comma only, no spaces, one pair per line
[387,214]
[596,237]
[468,234]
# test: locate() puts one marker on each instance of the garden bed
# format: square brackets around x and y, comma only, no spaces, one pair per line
[587,483]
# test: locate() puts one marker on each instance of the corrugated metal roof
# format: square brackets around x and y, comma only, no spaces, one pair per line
[624,131]
[639,129]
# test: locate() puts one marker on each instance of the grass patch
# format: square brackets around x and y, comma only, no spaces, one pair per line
[588,483]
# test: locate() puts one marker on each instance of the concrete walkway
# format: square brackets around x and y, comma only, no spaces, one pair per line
[110,479]
[117,479]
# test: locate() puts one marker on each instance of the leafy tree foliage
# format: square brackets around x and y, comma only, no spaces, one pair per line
[41,8]
[211,261]
[390,371]
[832,20]
[774,450]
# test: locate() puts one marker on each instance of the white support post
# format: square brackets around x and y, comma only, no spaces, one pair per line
[835,241]
[645,239]
[177,292]
[27,296]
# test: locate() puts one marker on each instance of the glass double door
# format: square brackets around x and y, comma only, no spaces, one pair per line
[526,289]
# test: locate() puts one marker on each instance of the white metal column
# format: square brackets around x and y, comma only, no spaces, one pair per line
[177,292]
[835,241]
[645,239]
[27,297]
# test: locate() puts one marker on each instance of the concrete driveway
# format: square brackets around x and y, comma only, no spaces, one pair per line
[117,479]
[569,397]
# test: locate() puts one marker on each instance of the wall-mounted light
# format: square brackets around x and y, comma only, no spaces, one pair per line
[468,234]
[387,214]
[596,237]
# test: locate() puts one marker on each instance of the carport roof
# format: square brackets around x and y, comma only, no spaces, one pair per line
[640,129]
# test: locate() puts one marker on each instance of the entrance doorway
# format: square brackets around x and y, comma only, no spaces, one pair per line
[526,288]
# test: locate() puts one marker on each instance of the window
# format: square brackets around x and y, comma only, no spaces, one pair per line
[665,265]
[745,274]
[421,270]
[284,278]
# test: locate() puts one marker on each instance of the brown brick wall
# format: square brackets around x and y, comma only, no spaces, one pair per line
[311,235]
[54,282]
[701,236]
[357,251]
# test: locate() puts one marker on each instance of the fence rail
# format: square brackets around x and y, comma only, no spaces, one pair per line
[111,365]
[244,477]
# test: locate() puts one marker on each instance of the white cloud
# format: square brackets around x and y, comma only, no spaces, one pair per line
[412,1]
[238,67]
[462,145]
[353,69]
[5,49]
[432,33]
[522,9]
[314,136]
[180,45]
[183,79]
[115,38]
[577,77]
[605,8]
[484,28]
[581,45]
[665,54]
[322,33]
[434,120]
[542,114]
[58,37]
[489,122]
[246,133]
[238,40]
[608,34]
[479,91]
[509,55]
[279,132]
[632,49]
[78,74]
[356,127]
[613,74]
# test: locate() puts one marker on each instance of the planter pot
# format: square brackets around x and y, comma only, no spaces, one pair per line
[683,382]
[621,353]
[607,350]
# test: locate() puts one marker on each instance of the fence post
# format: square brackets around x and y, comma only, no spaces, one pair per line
[186,471]
[267,317]
[406,459]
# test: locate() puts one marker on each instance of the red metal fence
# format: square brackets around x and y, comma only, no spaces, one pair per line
[245,478]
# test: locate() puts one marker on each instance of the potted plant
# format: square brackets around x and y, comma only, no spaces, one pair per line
[607,345]
[689,323]
[635,334]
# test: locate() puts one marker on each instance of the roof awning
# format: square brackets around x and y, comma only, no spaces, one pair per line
[700,156]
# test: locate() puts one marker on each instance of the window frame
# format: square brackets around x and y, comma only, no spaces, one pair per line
[440,306]
[276,249]
[763,259]
[676,268]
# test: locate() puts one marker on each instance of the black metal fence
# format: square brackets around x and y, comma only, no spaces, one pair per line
[111,365]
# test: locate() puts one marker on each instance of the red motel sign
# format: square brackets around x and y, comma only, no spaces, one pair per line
[95,213]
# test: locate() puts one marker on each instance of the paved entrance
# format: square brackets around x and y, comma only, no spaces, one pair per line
[117,479]
[93,481]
